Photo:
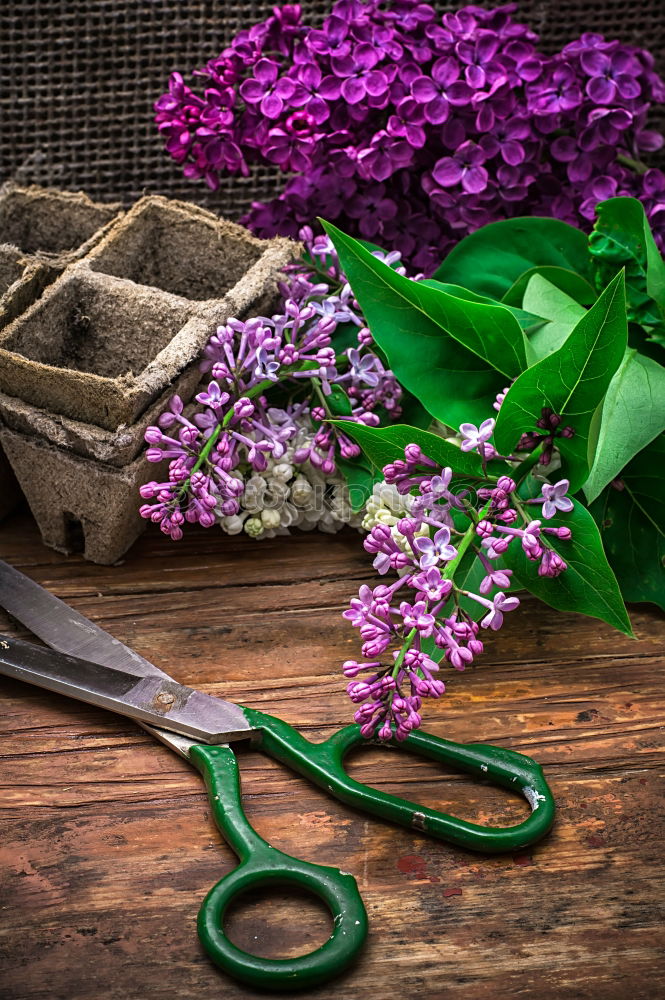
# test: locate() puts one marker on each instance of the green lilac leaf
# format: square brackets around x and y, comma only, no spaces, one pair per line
[493,258]
[360,479]
[632,525]
[561,311]
[574,285]
[382,445]
[655,268]
[413,412]
[633,415]
[621,238]
[448,371]
[572,382]
[464,324]
[588,585]
[372,247]
[338,402]
[656,340]
[527,321]
[639,338]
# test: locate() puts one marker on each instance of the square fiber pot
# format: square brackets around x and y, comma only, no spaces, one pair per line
[84,370]
[97,348]
[181,249]
[59,226]
[80,505]
[12,266]
[117,447]
[22,280]
[100,347]
[41,232]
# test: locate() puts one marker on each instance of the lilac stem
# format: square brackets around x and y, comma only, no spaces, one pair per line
[464,544]
[406,645]
[528,463]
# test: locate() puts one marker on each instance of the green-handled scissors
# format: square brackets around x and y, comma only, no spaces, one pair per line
[92,666]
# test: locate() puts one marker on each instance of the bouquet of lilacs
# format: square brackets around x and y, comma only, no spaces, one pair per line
[536,350]
[414,129]
[258,453]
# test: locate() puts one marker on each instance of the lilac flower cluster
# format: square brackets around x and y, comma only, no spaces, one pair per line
[413,129]
[238,428]
[424,616]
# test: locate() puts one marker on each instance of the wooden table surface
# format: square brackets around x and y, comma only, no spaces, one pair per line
[107,843]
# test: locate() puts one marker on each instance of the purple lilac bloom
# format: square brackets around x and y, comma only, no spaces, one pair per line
[441,91]
[465,168]
[554,499]
[459,119]
[432,551]
[424,617]
[268,90]
[476,438]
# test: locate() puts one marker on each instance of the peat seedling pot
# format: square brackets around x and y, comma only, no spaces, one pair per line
[180,249]
[96,348]
[79,505]
[87,367]
[41,232]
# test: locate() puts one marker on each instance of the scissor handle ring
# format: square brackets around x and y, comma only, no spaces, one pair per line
[262,865]
[337,890]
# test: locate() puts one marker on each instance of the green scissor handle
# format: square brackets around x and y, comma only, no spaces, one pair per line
[262,865]
[322,763]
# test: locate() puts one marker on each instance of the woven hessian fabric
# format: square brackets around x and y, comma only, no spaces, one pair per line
[78,81]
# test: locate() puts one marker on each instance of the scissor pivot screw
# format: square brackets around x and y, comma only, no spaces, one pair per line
[165,698]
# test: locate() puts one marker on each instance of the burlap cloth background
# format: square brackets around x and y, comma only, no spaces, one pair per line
[78,79]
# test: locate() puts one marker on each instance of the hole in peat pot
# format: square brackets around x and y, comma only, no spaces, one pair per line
[280,922]
[74,534]
[438,786]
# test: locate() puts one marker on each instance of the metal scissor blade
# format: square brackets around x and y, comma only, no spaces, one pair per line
[68,631]
[64,629]
[160,701]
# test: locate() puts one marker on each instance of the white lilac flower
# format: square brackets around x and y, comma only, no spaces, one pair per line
[254,527]
[301,491]
[282,471]
[387,506]
[270,519]
[254,492]
[232,525]
[286,494]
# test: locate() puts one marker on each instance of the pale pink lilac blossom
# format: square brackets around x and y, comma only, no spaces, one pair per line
[423,619]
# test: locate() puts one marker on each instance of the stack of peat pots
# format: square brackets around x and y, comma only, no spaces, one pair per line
[103,318]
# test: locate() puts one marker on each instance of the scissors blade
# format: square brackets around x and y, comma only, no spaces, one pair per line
[68,631]
[63,628]
[157,700]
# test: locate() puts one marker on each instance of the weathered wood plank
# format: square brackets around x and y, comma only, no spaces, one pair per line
[107,845]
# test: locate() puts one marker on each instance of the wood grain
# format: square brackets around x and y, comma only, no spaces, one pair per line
[107,845]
